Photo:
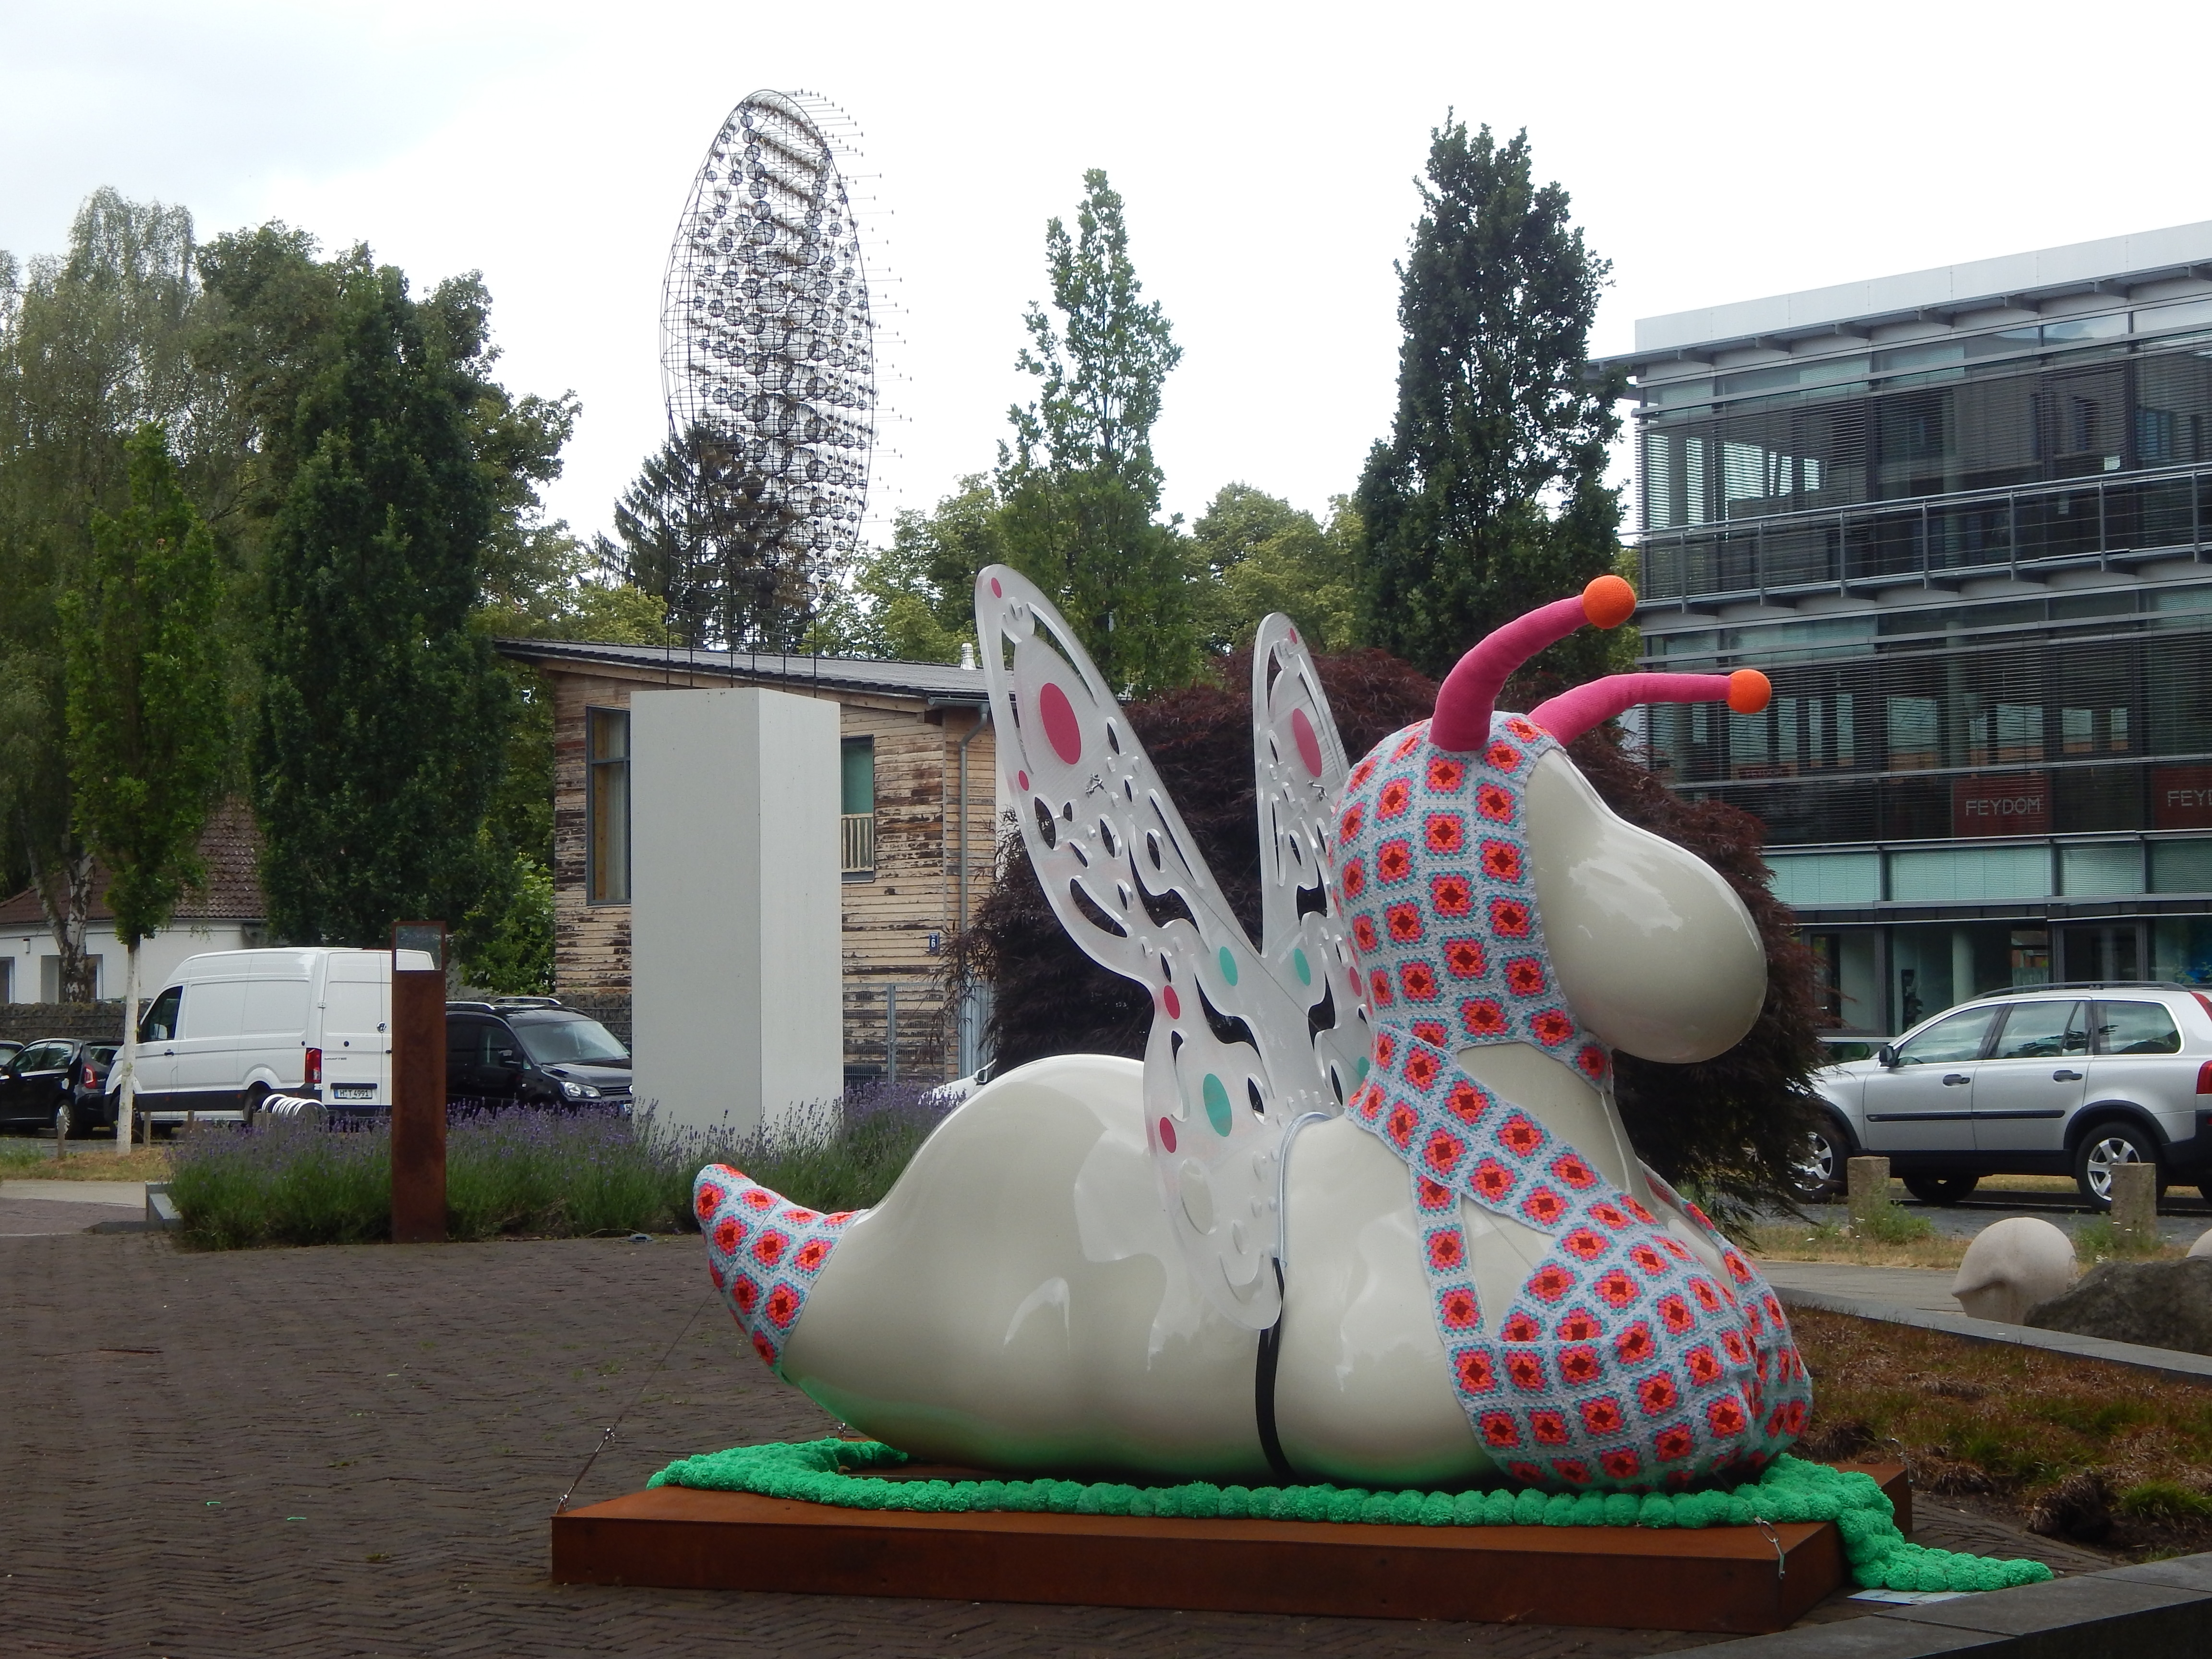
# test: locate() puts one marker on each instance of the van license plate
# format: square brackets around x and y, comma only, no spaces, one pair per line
[353,1092]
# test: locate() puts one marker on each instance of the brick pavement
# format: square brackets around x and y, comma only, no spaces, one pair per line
[20,1218]
[354,1451]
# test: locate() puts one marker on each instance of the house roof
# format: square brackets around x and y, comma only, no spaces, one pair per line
[937,681]
[230,846]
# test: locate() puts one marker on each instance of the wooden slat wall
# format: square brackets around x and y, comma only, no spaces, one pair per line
[887,920]
[591,942]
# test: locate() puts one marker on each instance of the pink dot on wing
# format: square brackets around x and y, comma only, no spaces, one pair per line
[1061,725]
[1309,745]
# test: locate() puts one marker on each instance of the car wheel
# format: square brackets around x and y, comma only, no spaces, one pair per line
[1819,1174]
[251,1105]
[2103,1149]
[65,1120]
[1941,1188]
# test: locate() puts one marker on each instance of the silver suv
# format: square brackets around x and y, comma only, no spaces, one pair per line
[2058,1079]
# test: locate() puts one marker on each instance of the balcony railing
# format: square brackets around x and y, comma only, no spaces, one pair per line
[1939,540]
[857,841]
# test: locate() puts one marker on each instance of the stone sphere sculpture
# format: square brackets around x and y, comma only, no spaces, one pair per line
[1366,1211]
[2011,1266]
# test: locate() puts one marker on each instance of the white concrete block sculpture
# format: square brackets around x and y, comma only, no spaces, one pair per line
[2011,1266]
[737,935]
[1366,1211]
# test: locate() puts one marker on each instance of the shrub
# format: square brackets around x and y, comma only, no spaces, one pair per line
[528,1172]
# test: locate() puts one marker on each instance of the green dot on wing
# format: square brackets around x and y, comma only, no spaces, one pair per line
[1217,1103]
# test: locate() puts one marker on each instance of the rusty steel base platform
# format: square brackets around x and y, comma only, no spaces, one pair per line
[1730,1579]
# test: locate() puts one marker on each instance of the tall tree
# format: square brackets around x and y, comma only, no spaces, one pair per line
[383,716]
[1079,488]
[1256,553]
[734,570]
[1489,496]
[93,344]
[148,729]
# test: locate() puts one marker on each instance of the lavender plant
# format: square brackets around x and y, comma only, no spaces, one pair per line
[560,1175]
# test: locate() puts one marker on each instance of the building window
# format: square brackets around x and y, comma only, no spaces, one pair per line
[857,827]
[607,806]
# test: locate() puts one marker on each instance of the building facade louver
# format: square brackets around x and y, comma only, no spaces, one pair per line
[1963,519]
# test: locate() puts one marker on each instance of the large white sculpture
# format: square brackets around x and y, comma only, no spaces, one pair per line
[1366,1211]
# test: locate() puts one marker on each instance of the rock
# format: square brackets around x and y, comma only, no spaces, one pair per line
[2161,1304]
[2011,1266]
[2203,1245]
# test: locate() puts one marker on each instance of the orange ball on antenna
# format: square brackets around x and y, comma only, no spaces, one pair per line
[1608,601]
[1748,691]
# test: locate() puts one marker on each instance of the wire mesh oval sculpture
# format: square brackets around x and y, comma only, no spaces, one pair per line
[768,351]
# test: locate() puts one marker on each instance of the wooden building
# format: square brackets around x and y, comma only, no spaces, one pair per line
[917,836]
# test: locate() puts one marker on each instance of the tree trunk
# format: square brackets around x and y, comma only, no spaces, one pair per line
[65,897]
[127,1093]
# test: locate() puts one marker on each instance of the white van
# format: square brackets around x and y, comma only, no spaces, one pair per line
[232,1027]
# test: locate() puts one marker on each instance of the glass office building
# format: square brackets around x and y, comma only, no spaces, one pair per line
[1963,519]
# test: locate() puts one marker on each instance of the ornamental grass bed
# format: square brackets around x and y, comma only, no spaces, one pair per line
[2095,1452]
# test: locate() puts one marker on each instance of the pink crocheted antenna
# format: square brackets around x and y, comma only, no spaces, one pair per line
[1470,690]
[1570,714]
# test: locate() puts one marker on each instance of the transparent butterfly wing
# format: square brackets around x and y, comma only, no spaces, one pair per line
[1229,1063]
[1299,768]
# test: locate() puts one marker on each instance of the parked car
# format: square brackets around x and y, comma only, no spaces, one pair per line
[232,1027]
[531,1051]
[58,1083]
[1820,1176]
[2059,1079]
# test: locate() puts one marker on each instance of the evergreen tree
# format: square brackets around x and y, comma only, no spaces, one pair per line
[1078,487]
[148,729]
[1490,496]
[693,531]
[383,716]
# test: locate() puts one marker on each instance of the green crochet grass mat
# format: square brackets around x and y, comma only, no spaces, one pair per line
[1790,1490]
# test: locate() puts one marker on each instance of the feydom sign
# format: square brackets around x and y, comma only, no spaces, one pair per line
[2018,804]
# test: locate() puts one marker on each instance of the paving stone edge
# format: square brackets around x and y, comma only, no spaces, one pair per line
[2160,1610]
[2166,1362]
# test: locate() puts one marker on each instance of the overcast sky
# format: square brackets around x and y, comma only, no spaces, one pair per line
[1713,153]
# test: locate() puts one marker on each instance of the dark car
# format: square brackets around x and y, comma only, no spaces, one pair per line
[58,1083]
[534,1051]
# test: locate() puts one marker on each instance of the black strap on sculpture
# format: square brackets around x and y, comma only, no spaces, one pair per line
[1263,1394]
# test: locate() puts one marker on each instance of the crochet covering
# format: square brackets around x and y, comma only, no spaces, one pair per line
[1623,1363]
[763,1252]
[1787,1490]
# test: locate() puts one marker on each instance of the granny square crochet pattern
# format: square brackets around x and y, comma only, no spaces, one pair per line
[1624,1363]
[763,1252]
